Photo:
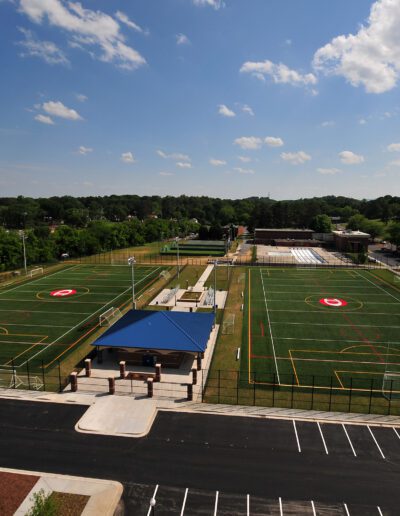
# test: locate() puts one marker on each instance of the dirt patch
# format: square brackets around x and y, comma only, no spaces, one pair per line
[14,488]
[69,504]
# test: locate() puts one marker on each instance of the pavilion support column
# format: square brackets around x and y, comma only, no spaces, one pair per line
[122,369]
[99,355]
[73,378]
[88,367]
[111,385]
[149,387]
[158,373]
[189,392]
[198,359]
[194,376]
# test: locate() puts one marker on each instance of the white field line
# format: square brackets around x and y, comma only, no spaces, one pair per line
[248,505]
[290,300]
[297,437]
[396,432]
[334,313]
[323,439]
[216,503]
[334,340]
[153,497]
[341,325]
[280,507]
[379,510]
[35,281]
[80,323]
[378,286]
[270,330]
[310,292]
[42,312]
[313,508]
[35,325]
[184,501]
[376,442]
[22,342]
[50,301]
[348,438]
[80,294]
[346,509]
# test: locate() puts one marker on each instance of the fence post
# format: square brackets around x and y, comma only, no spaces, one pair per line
[291,401]
[237,387]
[219,382]
[149,387]
[13,373]
[189,392]
[194,376]
[59,376]
[370,395]
[351,391]
[390,396]
[202,386]
[43,377]
[330,394]
[29,377]
[273,389]
[312,392]
[254,387]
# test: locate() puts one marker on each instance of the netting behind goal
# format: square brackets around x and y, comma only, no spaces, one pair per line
[228,324]
[109,316]
[10,379]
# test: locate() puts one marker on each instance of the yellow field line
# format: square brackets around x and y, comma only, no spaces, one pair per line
[5,330]
[44,337]
[249,329]
[293,366]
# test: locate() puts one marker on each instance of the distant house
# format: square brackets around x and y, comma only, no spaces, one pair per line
[351,241]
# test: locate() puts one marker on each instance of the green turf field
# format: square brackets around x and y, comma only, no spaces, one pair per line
[290,336]
[39,327]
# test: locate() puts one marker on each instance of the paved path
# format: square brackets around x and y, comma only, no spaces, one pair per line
[266,459]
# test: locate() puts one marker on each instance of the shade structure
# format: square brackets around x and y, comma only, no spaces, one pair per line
[159,330]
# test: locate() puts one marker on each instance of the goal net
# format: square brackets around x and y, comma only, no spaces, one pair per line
[165,274]
[10,379]
[228,324]
[109,316]
[391,377]
[35,272]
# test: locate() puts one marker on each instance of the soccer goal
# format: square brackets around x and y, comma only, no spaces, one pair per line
[35,272]
[391,386]
[109,317]
[165,274]
[10,379]
[228,324]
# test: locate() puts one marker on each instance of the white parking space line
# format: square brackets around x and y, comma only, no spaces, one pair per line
[376,442]
[346,509]
[248,505]
[348,438]
[280,507]
[216,503]
[379,510]
[184,501]
[323,439]
[153,497]
[396,432]
[297,437]
[313,508]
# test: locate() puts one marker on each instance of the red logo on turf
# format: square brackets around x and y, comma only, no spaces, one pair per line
[333,301]
[63,293]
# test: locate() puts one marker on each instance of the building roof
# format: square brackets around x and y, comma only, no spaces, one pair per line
[285,230]
[347,233]
[163,330]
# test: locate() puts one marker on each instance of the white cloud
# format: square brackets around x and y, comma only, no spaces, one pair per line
[181,39]
[371,57]
[244,170]
[395,163]
[328,123]
[46,50]
[244,159]
[394,147]
[247,109]
[272,141]
[58,109]
[183,164]
[88,29]
[81,97]
[84,150]
[329,171]
[295,158]
[225,111]
[216,4]
[217,162]
[350,158]
[127,157]
[44,119]
[123,18]
[166,174]
[175,156]
[248,142]
[279,73]
[362,121]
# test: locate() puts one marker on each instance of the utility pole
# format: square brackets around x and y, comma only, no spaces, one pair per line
[131,262]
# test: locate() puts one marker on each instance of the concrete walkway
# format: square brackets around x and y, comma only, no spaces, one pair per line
[104,494]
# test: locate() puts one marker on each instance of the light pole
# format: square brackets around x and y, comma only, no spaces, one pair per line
[131,262]
[177,253]
[215,286]
[22,234]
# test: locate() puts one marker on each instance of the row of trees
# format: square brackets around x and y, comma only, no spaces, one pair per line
[23,212]
[376,228]
[43,246]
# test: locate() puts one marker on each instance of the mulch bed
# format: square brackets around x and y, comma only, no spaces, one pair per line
[69,504]
[14,488]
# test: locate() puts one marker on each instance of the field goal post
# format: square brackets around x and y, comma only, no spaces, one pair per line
[10,379]
[35,272]
[228,324]
[109,317]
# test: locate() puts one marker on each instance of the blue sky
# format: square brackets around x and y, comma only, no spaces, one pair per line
[200,97]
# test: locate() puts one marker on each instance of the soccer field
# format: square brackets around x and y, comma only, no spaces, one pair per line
[321,328]
[43,319]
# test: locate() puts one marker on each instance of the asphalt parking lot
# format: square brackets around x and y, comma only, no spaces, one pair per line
[195,464]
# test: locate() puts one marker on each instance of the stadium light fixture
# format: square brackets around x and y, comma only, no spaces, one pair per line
[131,262]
